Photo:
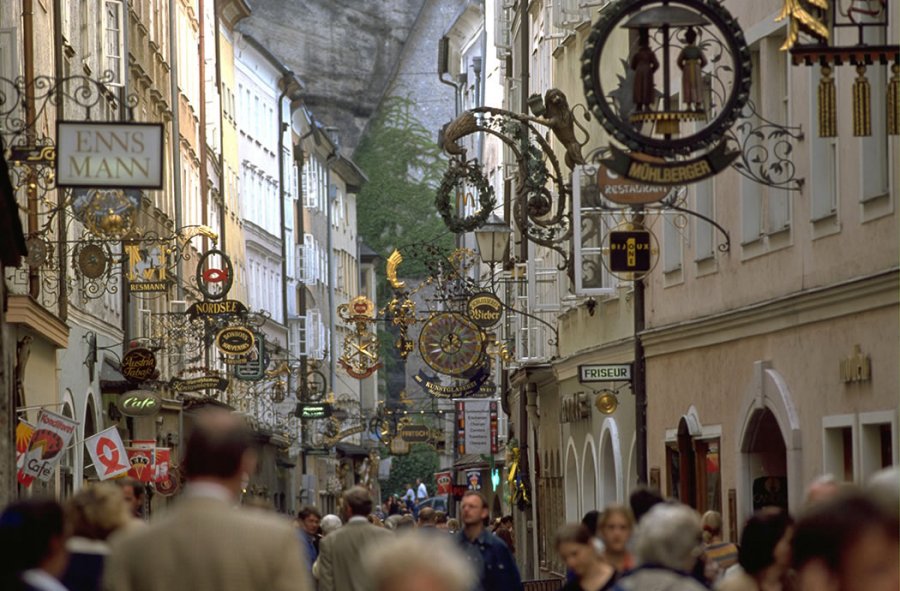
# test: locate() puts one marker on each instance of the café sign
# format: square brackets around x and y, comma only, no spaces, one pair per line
[109,154]
[139,403]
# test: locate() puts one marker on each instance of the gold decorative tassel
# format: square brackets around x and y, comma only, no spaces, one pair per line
[862,103]
[893,101]
[827,104]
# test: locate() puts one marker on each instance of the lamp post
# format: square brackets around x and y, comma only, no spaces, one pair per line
[493,242]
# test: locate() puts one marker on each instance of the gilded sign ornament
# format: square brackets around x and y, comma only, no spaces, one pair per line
[359,357]
[451,344]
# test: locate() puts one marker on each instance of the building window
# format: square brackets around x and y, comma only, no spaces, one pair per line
[694,474]
[877,442]
[823,151]
[703,230]
[672,249]
[838,453]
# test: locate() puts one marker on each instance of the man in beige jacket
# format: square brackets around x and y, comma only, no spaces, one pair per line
[342,552]
[206,543]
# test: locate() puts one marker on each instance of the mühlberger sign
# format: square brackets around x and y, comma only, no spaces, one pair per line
[106,154]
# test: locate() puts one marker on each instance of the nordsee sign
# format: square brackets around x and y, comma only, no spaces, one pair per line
[620,372]
[106,154]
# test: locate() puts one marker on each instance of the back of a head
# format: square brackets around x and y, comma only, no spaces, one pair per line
[669,535]
[216,445]
[411,559]
[358,501]
[427,516]
[884,488]
[642,500]
[590,520]
[711,522]
[137,487]
[27,529]
[330,523]
[97,510]
[827,529]
[760,536]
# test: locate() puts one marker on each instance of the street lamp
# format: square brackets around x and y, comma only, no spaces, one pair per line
[493,240]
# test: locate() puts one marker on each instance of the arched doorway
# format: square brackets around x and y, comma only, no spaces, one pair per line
[608,486]
[589,478]
[766,460]
[573,510]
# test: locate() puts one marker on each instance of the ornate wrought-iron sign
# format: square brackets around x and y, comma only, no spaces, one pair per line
[360,354]
[644,113]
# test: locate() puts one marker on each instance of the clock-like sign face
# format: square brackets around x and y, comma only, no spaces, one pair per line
[450,343]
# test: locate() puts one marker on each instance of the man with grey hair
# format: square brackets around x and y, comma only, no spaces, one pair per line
[341,551]
[669,541]
[419,562]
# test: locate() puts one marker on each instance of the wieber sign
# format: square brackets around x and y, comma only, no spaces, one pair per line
[108,453]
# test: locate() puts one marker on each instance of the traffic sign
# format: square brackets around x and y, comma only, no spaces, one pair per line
[604,372]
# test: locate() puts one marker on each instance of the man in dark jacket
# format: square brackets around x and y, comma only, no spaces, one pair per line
[489,556]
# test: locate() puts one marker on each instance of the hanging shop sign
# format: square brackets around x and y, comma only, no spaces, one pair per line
[138,365]
[619,372]
[106,154]
[484,309]
[235,340]
[606,402]
[307,411]
[676,109]
[108,453]
[213,309]
[344,434]
[215,275]
[139,403]
[450,343]
[461,389]
[630,251]
[415,433]
[52,435]
[196,384]
[473,478]
[624,191]
[141,460]
[476,429]
[254,367]
[147,266]
[24,431]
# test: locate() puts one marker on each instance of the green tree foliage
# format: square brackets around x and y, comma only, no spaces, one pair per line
[404,165]
[421,462]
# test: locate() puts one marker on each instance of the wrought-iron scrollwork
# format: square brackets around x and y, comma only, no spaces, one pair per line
[765,150]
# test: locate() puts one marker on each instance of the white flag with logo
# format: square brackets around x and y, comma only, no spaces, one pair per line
[108,453]
[51,437]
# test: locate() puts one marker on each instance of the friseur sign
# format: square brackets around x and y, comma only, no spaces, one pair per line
[109,155]
[619,372]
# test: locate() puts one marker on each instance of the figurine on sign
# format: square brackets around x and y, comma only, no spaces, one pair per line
[691,61]
[644,64]
[557,115]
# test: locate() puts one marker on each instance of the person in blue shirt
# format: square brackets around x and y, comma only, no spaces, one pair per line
[487,554]
[309,518]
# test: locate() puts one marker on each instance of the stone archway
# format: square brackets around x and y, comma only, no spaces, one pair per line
[610,463]
[769,465]
[572,486]
[89,428]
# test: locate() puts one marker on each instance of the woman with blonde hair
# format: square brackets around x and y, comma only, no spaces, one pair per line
[94,514]
[719,554]
[614,528]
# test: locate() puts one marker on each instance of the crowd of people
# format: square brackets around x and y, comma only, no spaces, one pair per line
[844,539]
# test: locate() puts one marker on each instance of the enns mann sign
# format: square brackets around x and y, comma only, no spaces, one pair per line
[106,154]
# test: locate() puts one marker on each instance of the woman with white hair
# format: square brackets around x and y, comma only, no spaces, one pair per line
[669,541]
[329,524]
[417,562]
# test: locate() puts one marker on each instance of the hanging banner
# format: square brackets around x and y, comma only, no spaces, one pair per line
[141,460]
[52,435]
[163,459]
[108,453]
[444,482]
[473,477]
[24,431]
[475,427]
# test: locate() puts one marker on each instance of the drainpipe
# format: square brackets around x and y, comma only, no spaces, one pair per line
[204,180]
[286,81]
[332,374]
[63,301]
[176,140]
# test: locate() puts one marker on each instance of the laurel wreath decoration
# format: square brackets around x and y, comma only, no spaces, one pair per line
[471,173]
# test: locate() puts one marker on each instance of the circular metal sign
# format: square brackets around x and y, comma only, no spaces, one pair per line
[139,365]
[235,340]
[450,343]
[92,261]
[484,309]
[139,403]
[38,251]
[215,274]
